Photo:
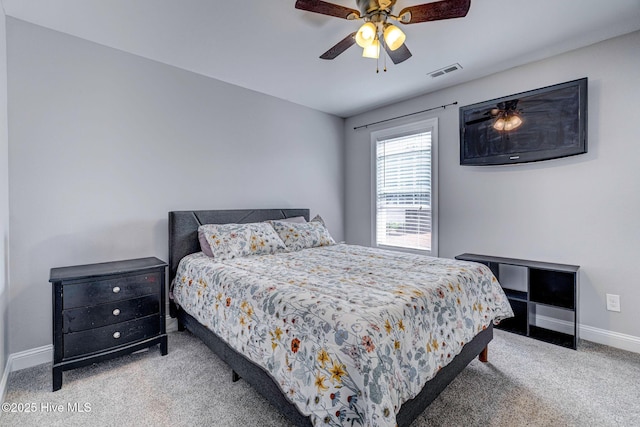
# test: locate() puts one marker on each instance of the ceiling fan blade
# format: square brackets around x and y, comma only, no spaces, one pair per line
[480,120]
[325,8]
[399,55]
[340,47]
[444,9]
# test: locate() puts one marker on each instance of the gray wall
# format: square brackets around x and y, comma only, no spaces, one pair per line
[4,201]
[581,210]
[104,143]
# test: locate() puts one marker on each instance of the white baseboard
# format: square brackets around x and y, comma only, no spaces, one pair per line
[38,356]
[589,333]
[555,325]
[22,360]
[612,339]
[30,358]
[172,324]
[5,380]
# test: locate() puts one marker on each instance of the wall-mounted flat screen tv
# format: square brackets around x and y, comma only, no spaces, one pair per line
[541,124]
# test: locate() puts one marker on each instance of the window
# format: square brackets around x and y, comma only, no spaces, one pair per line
[405,211]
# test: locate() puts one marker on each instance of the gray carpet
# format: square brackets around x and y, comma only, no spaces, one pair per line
[526,382]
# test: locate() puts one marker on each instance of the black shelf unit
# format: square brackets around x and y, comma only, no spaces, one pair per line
[548,284]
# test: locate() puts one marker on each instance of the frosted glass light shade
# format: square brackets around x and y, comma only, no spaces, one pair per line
[394,37]
[366,34]
[373,50]
[507,123]
[512,123]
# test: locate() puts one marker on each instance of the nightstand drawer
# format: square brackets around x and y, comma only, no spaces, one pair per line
[117,289]
[79,319]
[99,339]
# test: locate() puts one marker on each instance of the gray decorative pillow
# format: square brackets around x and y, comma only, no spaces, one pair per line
[204,245]
[298,236]
[237,240]
[296,219]
[319,219]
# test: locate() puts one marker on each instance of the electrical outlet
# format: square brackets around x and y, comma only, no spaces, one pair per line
[613,302]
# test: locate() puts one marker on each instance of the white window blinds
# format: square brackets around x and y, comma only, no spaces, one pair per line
[403,191]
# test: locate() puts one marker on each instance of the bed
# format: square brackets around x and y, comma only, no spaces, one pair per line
[323,377]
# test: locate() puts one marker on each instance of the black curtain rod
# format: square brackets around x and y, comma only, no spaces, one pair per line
[406,115]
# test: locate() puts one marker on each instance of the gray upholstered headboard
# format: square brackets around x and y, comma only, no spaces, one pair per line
[183,227]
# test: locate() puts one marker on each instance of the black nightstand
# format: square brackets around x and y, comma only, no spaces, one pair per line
[105,310]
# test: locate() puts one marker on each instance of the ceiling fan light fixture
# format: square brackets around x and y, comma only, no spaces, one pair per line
[372,51]
[512,122]
[507,122]
[376,14]
[366,34]
[393,36]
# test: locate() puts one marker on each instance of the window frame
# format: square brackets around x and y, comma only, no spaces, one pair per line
[428,125]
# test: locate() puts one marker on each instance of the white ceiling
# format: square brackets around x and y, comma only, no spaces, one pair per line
[271,47]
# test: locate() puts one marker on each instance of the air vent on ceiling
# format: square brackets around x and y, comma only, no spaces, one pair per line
[446,70]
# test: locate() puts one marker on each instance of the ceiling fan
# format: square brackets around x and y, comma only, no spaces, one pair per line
[506,116]
[377,30]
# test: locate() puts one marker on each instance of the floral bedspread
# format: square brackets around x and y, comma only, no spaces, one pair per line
[348,332]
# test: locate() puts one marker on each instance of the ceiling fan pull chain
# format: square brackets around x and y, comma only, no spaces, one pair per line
[385,56]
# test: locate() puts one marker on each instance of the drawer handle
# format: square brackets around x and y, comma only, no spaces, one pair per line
[116,312]
[116,289]
[116,335]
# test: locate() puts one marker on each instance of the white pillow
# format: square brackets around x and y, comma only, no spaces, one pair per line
[228,241]
[298,236]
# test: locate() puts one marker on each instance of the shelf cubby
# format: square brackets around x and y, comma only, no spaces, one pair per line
[547,285]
